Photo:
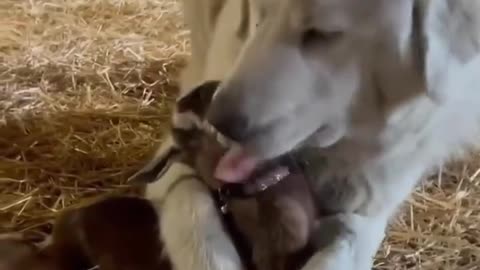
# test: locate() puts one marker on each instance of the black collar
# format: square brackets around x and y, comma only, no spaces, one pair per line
[240,241]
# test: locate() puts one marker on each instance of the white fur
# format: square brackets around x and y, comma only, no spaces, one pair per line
[159,189]
[424,117]
[186,120]
[189,220]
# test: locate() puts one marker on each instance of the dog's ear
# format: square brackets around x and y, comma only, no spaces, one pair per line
[168,153]
[451,46]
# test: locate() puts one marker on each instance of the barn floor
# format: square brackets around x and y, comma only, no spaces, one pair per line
[85,90]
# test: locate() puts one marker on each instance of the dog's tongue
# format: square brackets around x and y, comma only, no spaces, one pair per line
[235,166]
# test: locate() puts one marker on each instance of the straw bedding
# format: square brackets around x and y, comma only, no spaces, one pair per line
[85,92]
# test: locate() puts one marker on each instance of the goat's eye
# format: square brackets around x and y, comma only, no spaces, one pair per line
[314,36]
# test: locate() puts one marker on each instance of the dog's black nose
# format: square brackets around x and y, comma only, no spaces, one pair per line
[233,126]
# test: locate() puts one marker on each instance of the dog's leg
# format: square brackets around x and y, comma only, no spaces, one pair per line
[193,232]
[350,239]
[202,19]
[190,225]
[347,242]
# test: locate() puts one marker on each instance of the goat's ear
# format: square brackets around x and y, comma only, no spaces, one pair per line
[198,99]
[168,153]
[451,50]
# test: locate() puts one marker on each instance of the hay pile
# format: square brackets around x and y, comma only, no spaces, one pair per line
[85,89]
[84,93]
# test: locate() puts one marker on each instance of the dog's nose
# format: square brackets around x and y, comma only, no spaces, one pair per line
[233,126]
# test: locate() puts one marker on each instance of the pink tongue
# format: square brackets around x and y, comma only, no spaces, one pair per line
[235,166]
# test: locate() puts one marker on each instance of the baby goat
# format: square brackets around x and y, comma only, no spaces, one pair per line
[272,215]
[116,233]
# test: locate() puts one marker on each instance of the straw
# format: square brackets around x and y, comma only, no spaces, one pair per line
[86,88]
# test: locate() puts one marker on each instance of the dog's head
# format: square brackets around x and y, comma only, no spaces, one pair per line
[327,70]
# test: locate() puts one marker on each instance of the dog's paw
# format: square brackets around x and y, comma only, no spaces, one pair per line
[346,242]
[339,256]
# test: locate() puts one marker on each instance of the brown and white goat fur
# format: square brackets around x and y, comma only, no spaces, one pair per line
[276,220]
[113,233]
[388,88]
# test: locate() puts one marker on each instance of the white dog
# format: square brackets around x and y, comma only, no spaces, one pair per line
[387,89]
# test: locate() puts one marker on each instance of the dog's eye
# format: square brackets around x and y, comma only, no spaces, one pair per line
[314,36]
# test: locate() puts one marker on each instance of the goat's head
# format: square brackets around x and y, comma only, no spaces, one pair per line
[194,142]
[191,140]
